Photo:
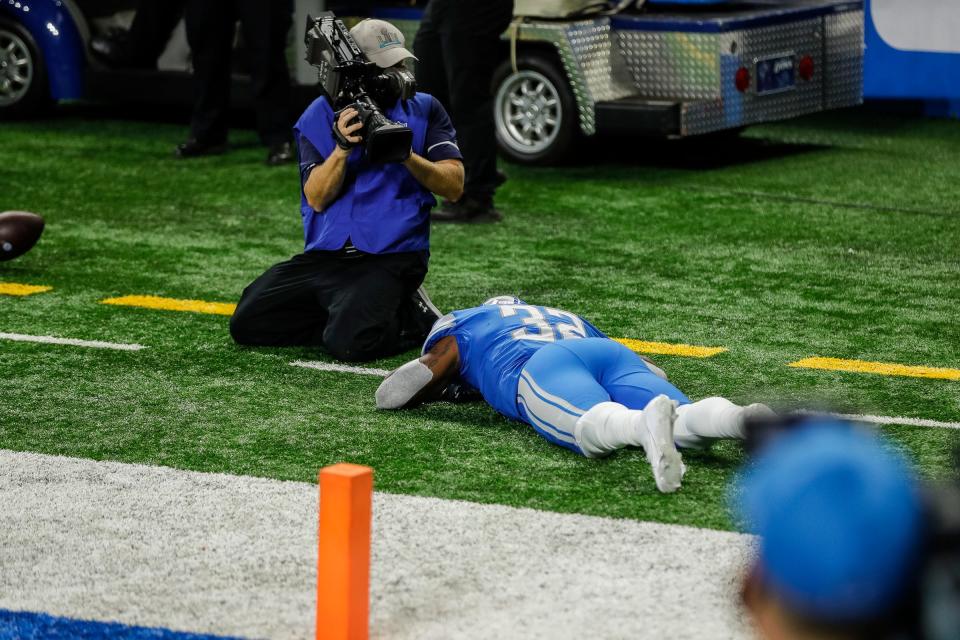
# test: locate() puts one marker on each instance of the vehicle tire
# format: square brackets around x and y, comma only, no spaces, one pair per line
[23,79]
[534,110]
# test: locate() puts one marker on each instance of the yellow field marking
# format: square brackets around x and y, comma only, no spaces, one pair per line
[14,289]
[173,304]
[878,368]
[669,349]
[227,309]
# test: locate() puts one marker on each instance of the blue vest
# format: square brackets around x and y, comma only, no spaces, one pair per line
[381,208]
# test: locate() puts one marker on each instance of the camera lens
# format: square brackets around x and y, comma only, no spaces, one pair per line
[387,141]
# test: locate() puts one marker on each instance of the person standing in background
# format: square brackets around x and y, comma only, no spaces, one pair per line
[210,33]
[141,45]
[457,45]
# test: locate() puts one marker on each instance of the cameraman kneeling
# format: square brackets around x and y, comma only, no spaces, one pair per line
[356,288]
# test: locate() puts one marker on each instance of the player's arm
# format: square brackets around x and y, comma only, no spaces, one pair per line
[323,184]
[422,379]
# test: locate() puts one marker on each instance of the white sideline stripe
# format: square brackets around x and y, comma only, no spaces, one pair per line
[560,401]
[543,426]
[912,422]
[561,423]
[73,342]
[220,554]
[342,368]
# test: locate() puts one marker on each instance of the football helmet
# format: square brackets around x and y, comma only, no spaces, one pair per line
[497,300]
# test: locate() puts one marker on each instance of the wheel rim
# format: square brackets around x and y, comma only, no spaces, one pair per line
[528,112]
[16,68]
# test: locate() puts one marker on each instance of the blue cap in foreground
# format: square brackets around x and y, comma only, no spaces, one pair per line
[840,521]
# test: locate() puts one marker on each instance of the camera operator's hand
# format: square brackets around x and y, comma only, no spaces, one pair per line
[343,131]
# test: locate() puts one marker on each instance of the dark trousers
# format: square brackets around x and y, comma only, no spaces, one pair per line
[152,25]
[210,30]
[357,308]
[458,49]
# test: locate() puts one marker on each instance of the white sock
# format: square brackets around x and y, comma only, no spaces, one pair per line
[607,427]
[700,423]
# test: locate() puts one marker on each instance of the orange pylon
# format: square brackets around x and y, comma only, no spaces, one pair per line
[343,563]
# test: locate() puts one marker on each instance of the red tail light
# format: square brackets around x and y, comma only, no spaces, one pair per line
[805,68]
[742,79]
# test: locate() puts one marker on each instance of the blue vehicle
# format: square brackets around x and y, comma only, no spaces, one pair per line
[45,58]
[41,53]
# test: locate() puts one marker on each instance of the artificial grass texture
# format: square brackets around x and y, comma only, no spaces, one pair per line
[836,235]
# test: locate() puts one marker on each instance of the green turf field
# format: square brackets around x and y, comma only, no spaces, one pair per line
[835,236]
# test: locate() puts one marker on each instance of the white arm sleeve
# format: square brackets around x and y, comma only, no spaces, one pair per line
[399,387]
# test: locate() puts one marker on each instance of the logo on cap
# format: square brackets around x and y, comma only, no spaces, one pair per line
[387,39]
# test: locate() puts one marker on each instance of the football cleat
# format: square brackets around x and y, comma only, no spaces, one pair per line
[662,454]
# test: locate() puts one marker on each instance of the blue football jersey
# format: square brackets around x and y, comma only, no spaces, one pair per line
[495,342]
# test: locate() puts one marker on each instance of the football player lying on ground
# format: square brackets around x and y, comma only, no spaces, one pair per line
[561,375]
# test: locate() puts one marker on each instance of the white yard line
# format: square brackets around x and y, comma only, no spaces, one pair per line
[236,555]
[912,422]
[73,342]
[370,371]
[342,368]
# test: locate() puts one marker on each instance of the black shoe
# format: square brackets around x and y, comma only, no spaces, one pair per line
[111,49]
[193,148]
[459,392]
[417,316]
[425,307]
[468,209]
[280,154]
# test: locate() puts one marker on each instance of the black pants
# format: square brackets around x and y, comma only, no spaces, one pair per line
[210,29]
[152,25]
[458,49]
[357,308]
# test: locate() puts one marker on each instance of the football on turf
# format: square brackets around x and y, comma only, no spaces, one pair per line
[19,231]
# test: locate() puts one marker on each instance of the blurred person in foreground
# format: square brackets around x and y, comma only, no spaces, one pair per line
[356,290]
[210,33]
[847,540]
[458,44]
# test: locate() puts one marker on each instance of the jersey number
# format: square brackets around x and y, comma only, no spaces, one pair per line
[536,318]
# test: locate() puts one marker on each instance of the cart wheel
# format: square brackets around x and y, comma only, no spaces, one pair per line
[23,87]
[534,111]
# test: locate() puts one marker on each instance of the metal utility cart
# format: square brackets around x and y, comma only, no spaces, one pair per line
[675,69]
